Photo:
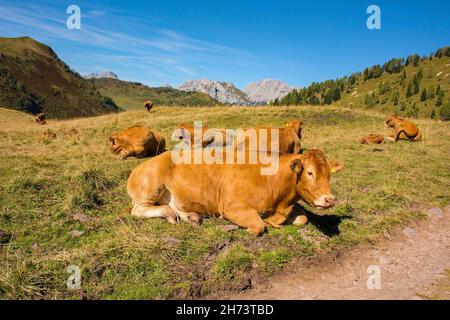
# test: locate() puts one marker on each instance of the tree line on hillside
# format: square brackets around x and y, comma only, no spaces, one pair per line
[329,91]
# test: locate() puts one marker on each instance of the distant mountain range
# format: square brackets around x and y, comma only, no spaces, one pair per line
[260,92]
[102,75]
[223,92]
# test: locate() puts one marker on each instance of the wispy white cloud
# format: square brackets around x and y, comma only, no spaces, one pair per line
[160,49]
[163,39]
[94,14]
[186,70]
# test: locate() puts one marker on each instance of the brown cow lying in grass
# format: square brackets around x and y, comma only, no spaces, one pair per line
[289,137]
[236,192]
[204,138]
[137,141]
[373,138]
[403,129]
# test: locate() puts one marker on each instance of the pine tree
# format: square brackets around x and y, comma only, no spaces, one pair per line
[409,90]
[293,99]
[424,95]
[395,98]
[377,71]
[416,84]
[420,74]
[431,92]
[445,112]
[403,78]
[440,98]
[367,74]
[336,94]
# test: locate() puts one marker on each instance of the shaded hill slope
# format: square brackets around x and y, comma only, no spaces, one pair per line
[33,79]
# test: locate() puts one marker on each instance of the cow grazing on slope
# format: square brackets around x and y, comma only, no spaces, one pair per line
[40,118]
[148,105]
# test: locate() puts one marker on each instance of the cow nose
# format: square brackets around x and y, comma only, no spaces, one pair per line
[330,201]
[325,201]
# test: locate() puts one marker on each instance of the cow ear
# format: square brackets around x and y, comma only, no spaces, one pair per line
[335,166]
[297,166]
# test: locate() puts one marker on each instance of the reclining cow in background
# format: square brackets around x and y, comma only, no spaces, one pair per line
[373,138]
[205,136]
[289,138]
[137,141]
[403,129]
[237,192]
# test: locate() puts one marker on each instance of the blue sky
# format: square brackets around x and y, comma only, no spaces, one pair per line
[168,42]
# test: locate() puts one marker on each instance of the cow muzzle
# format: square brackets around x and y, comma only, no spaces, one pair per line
[325,202]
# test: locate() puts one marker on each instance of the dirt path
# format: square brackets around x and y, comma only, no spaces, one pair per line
[411,265]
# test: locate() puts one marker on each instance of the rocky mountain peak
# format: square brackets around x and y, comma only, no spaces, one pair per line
[264,91]
[224,92]
[103,74]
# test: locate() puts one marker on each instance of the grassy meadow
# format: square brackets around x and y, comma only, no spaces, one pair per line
[54,182]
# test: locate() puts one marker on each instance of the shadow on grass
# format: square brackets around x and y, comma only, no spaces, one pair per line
[327,224]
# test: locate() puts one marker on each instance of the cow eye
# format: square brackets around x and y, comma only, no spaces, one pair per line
[310,173]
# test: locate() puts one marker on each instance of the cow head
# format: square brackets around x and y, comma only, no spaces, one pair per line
[297,125]
[114,145]
[313,183]
[392,121]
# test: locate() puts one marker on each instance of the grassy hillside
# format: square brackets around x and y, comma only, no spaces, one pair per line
[414,87]
[131,95]
[53,185]
[34,79]
[385,89]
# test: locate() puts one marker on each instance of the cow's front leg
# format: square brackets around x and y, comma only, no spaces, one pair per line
[398,132]
[300,220]
[190,217]
[248,219]
[276,220]
[279,217]
[149,210]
